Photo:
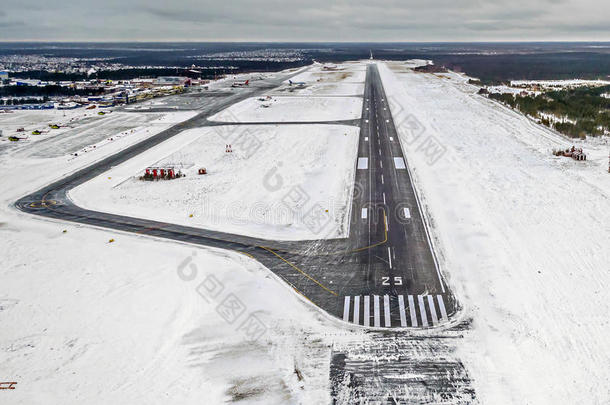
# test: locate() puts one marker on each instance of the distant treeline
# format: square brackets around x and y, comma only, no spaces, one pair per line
[586,106]
[133,73]
[495,69]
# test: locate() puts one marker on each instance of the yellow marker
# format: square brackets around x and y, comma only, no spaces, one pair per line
[111,240]
[191,216]
[109,178]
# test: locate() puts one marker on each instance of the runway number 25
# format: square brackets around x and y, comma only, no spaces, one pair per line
[386,280]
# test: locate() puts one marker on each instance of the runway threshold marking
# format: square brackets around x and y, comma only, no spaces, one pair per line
[401,308]
[432,310]
[367,311]
[422,311]
[386,310]
[376,311]
[346,309]
[300,271]
[441,305]
[357,310]
[412,311]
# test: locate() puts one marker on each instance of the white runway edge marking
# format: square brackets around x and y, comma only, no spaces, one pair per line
[376,311]
[422,311]
[363,163]
[390,257]
[401,308]
[407,213]
[346,309]
[365,213]
[367,311]
[412,311]
[399,163]
[386,310]
[357,310]
[441,305]
[432,310]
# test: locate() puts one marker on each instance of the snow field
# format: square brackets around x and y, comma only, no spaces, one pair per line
[246,190]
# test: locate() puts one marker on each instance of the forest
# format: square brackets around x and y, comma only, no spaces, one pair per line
[587,109]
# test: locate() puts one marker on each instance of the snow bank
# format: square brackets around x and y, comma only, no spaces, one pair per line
[523,239]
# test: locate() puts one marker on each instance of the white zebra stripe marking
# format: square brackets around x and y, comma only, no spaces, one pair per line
[422,311]
[441,305]
[432,310]
[401,308]
[386,310]
[412,310]
[376,311]
[346,309]
[357,310]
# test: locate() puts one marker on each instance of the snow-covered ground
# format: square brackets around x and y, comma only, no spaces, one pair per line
[245,191]
[88,321]
[523,237]
[323,80]
[292,109]
[83,129]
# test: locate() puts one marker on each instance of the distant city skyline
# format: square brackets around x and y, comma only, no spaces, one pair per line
[311,21]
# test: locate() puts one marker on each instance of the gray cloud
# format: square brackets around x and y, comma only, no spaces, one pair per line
[312,20]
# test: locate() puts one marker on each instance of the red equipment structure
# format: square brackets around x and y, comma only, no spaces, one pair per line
[161,173]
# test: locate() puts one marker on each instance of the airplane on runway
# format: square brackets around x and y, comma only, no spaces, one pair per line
[241,84]
[296,83]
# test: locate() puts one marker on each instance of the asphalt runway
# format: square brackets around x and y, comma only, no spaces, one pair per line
[383,275]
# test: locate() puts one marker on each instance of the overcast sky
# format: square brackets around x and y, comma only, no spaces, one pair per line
[312,20]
